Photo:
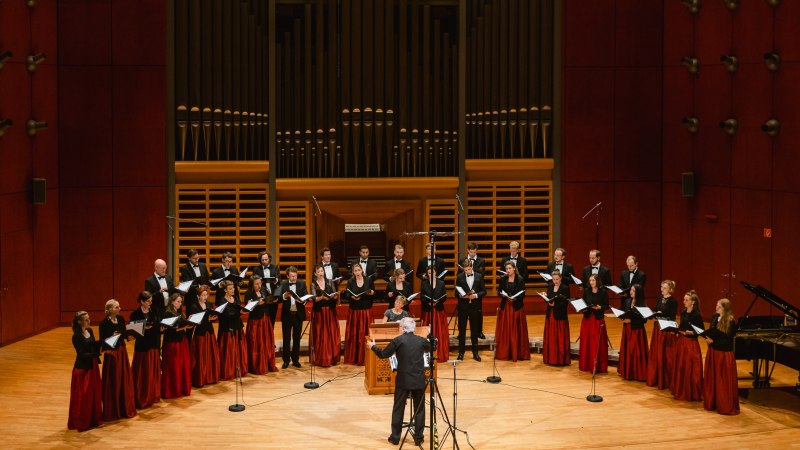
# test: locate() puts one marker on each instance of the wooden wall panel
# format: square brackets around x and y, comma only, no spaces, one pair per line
[787,110]
[16,266]
[637,124]
[677,243]
[139,126]
[15,90]
[638,34]
[637,229]
[751,252]
[678,33]
[16,26]
[787,22]
[711,255]
[139,36]
[44,147]
[751,151]
[753,31]
[579,235]
[713,105]
[712,32]
[86,236]
[678,143]
[84,32]
[785,242]
[46,257]
[588,124]
[589,33]
[43,26]
[85,134]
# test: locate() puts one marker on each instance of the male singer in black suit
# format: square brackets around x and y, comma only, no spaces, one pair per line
[410,350]
[398,263]
[293,313]
[161,286]
[331,268]
[595,268]
[266,270]
[223,271]
[368,266]
[426,261]
[195,271]
[562,266]
[517,259]
[632,275]
[478,266]
[469,308]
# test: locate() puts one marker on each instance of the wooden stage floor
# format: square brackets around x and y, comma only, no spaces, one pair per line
[535,406]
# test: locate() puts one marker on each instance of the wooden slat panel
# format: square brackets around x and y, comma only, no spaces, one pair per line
[295,231]
[442,215]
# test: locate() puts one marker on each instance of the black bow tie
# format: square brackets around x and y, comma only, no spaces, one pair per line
[514,258]
[363,261]
[292,284]
[326,265]
[160,278]
[469,276]
[195,267]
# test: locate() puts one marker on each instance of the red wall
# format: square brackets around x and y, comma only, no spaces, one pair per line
[625,93]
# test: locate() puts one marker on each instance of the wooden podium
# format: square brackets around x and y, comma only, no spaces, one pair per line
[378,375]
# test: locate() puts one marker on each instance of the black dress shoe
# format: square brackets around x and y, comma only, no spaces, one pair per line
[419,441]
[393,441]
[482,336]
[285,364]
[476,356]
[297,364]
[460,357]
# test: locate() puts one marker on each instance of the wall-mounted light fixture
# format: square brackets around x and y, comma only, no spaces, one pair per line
[5,55]
[692,123]
[35,126]
[693,5]
[691,64]
[731,4]
[731,62]
[33,60]
[773,61]
[773,3]
[5,124]
[730,126]
[772,127]
[31,3]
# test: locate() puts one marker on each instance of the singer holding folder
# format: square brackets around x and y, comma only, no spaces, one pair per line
[662,344]
[633,346]
[687,375]
[360,293]
[176,371]
[293,313]
[232,345]
[511,337]
[593,328]
[433,295]
[399,287]
[85,410]
[260,335]
[118,399]
[326,336]
[203,349]
[470,290]
[721,388]
[147,354]
[555,346]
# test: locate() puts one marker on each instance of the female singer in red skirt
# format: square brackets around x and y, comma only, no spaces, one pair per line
[260,336]
[85,410]
[633,347]
[326,337]
[360,293]
[232,345]
[118,399]
[146,355]
[176,369]
[721,388]
[203,350]
[594,336]
[555,348]
[662,345]
[511,332]
[433,295]
[687,375]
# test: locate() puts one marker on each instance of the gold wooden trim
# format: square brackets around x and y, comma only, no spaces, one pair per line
[366,188]
[509,169]
[221,172]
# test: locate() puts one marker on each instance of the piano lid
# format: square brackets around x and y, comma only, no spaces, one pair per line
[773,300]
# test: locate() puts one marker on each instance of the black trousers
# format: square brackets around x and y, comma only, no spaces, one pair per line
[292,327]
[469,313]
[417,405]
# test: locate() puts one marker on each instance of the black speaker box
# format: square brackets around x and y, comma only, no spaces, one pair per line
[687,184]
[39,191]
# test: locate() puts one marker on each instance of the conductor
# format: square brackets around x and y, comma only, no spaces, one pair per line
[410,350]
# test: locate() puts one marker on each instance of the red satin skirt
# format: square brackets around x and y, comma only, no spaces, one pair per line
[511,335]
[687,374]
[326,338]
[555,348]
[118,399]
[85,393]
[721,388]
[146,378]
[661,358]
[594,337]
[176,370]
[358,321]
[232,346]
[204,360]
[633,353]
[260,346]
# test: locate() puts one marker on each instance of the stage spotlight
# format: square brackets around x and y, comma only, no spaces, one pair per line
[5,124]
[731,4]
[35,126]
[693,5]
[772,127]
[773,3]
[5,55]
[731,62]
[692,123]
[730,126]
[773,61]
[33,60]
[692,64]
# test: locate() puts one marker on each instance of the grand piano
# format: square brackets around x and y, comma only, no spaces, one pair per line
[765,339]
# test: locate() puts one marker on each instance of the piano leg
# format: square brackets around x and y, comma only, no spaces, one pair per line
[759,380]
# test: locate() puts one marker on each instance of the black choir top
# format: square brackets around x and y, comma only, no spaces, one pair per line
[230,319]
[152,335]
[86,349]
[172,334]
[688,319]
[511,288]
[205,326]
[666,308]
[428,293]
[406,292]
[260,310]
[560,301]
[108,328]
[723,344]
[637,321]
[595,298]
[364,301]
[325,302]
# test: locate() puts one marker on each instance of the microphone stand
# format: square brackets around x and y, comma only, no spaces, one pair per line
[310,384]
[593,397]
[598,207]
[494,379]
[236,407]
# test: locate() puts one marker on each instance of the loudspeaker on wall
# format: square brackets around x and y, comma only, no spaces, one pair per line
[39,191]
[687,184]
